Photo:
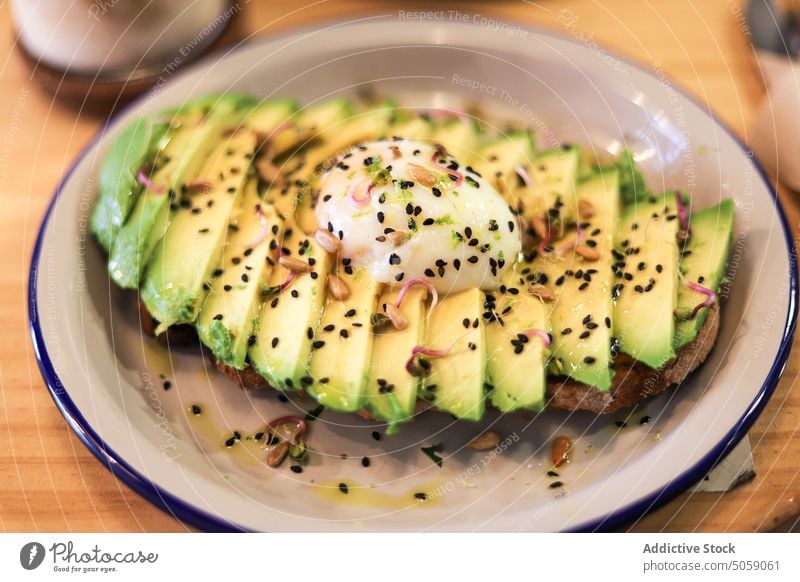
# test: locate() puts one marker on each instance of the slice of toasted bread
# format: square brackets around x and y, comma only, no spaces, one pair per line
[633,381]
[177,335]
[248,378]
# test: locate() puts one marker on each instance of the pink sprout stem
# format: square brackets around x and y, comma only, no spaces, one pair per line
[262,234]
[430,352]
[148,183]
[524,176]
[301,425]
[413,282]
[577,241]
[288,281]
[711,297]
[360,196]
[540,333]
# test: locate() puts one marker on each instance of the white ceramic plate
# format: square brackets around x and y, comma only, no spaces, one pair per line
[104,375]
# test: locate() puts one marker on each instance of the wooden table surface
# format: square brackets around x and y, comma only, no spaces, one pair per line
[50,482]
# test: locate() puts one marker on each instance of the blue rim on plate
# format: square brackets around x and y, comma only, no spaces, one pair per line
[201,519]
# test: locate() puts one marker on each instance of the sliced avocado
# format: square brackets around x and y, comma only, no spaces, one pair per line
[227,319]
[631,180]
[647,288]
[271,120]
[271,114]
[703,261]
[552,176]
[323,118]
[583,310]
[175,281]
[289,317]
[498,160]
[459,137]
[457,380]
[366,125]
[198,132]
[327,125]
[412,127]
[343,345]
[516,359]
[119,186]
[391,391]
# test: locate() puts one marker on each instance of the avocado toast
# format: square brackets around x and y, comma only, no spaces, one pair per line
[382,261]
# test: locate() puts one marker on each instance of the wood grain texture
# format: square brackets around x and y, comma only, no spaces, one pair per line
[48,479]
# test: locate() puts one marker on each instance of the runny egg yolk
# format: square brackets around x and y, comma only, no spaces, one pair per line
[406,210]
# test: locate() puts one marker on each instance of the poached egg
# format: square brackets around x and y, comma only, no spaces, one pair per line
[407,210]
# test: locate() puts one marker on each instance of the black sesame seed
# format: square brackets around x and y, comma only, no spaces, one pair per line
[196,409]
[375,434]
[343,488]
[296,469]
[421,496]
[365,462]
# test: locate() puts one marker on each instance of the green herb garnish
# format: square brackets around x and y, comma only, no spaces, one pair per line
[314,414]
[431,453]
[632,186]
